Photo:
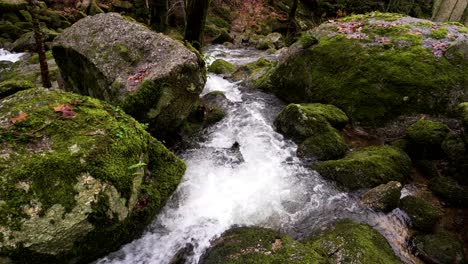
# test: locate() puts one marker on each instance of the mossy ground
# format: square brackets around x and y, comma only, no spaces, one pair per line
[44,154]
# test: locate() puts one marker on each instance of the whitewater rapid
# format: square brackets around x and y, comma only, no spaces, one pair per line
[261,183]
[8,56]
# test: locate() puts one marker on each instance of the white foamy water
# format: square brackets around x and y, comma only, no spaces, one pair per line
[260,183]
[5,55]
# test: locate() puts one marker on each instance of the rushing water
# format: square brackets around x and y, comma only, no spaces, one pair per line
[261,182]
[5,55]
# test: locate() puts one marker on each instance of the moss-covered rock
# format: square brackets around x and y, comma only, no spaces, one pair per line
[152,77]
[351,242]
[79,177]
[376,67]
[427,132]
[327,145]
[441,247]
[10,87]
[450,191]
[12,5]
[384,197]
[367,167]
[258,245]
[221,66]
[253,73]
[422,214]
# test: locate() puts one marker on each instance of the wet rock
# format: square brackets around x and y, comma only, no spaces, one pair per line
[450,191]
[376,67]
[384,197]
[440,248]
[79,177]
[271,41]
[254,72]
[351,242]
[152,77]
[422,214]
[327,145]
[367,167]
[217,98]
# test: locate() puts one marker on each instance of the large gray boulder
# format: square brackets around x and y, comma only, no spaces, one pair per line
[152,77]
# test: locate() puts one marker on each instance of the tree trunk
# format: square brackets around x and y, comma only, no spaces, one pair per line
[292,19]
[38,36]
[196,17]
[159,10]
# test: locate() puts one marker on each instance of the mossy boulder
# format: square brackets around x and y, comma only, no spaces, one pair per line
[376,67]
[221,66]
[351,242]
[442,247]
[10,87]
[300,121]
[258,245]
[422,214]
[271,41]
[327,145]
[152,77]
[367,167]
[427,132]
[384,197]
[253,73]
[79,177]
[310,125]
[450,191]
[12,5]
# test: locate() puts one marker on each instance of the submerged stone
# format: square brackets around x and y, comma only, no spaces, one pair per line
[78,177]
[367,167]
[377,67]
[152,77]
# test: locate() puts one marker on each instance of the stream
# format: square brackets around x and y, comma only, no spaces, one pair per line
[261,182]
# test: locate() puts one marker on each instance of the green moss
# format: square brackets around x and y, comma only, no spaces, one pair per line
[34,59]
[324,146]
[384,197]
[221,66]
[374,83]
[214,115]
[449,190]
[367,168]
[12,86]
[427,132]
[350,242]
[49,156]
[463,30]
[442,247]
[255,245]
[423,215]
[332,114]
[439,33]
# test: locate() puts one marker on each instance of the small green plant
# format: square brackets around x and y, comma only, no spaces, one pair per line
[439,33]
[135,167]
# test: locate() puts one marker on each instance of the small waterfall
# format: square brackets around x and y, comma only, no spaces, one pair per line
[5,55]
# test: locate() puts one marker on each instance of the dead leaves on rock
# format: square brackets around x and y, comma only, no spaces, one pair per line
[65,110]
[20,117]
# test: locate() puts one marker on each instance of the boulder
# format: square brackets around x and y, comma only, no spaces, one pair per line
[440,248]
[79,177]
[310,125]
[351,242]
[252,73]
[384,197]
[450,191]
[376,67]
[327,145]
[367,167]
[221,66]
[422,214]
[427,132]
[258,245]
[152,77]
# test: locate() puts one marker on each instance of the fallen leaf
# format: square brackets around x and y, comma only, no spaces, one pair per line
[20,117]
[66,110]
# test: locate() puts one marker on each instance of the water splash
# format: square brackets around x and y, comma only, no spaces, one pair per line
[5,55]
